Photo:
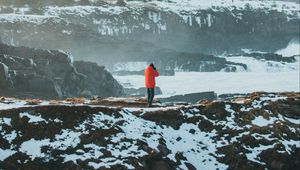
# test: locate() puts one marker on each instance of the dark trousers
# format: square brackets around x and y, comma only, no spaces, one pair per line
[150,93]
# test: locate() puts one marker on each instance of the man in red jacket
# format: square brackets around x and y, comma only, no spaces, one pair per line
[150,74]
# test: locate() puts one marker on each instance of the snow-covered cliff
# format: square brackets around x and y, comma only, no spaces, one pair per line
[105,29]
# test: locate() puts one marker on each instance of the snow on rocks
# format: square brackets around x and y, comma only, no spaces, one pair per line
[32,118]
[32,19]
[218,134]
[199,12]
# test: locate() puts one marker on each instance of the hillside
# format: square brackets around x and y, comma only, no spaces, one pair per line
[105,30]
[257,131]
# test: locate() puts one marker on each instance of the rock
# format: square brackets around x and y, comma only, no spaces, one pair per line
[35,73]
[230,29]
[75,134]
[169,117]
[178,139]
[190,166]
[191,97]
[270,57]
[3,71]
[180,157]
[98,80]
[3,75]
[163,149]
[192,131]
[183,61]
[141,91]
[157,162]
[289,108]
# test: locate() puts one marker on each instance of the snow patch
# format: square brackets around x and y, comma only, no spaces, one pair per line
[32,147]
[5,153]
[33,118]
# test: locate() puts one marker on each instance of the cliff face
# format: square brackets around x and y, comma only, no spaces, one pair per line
[27,72]
[108,31]
[258,131]
[98,80]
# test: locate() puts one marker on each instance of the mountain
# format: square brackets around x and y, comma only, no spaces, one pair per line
[257,131]
[107,30]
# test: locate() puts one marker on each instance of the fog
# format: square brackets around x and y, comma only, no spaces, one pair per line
[106,33]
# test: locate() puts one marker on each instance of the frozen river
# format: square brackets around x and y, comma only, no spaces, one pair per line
[261,75]
[220,82]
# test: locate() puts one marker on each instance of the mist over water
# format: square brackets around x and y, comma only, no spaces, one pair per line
[261,75]
[293,48]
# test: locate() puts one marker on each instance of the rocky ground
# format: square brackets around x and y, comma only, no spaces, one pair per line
[257,131]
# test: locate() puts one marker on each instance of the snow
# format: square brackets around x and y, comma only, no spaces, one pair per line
[57,120]
[5,153]
[260,121]
[10,137]
[68,32]
[32,147]
[261,75]
[256,65]
[130,66]
[229,123]
[295,121]
[83,11]
[32,19]
[67,138]
[6,121]
[33,118]
[135,127]
[121,99]
[183,7]
[94,152]
[219,82]
[186,9]
[62,141]
[255,151]
[7,105]
[11,103]
[293,48]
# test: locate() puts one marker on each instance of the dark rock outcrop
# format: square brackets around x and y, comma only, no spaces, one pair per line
[268,57]
[183,61]
[98,80]
[191,97]
[27,72]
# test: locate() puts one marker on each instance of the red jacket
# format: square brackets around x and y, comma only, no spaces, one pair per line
[150,75]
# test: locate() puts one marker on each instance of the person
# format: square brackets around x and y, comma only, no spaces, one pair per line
[150,74]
